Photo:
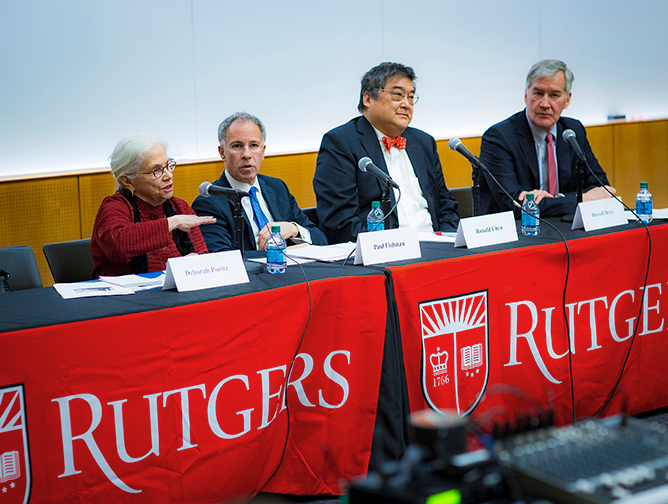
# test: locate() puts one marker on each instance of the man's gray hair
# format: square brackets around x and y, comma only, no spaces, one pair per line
[239,116]
[548,68]
[130,153]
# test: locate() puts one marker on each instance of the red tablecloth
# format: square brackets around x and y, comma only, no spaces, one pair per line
[185,404]
[481,327]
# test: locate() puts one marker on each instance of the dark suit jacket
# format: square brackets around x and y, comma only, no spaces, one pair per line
[508,150]
[344,193]
[282,205]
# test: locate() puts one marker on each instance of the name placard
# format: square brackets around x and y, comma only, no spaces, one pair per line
[205,271]
[486,230]
[387,246]
[599,214]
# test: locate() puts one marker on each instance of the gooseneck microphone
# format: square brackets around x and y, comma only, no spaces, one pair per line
[366,165]
[207,189]
[569,136]
[456,145]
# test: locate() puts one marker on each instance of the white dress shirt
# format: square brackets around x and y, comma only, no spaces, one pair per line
[539,138]
[412,209]
[304,234]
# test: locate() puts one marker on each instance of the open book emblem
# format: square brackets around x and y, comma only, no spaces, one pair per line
[455,352]
[15,480]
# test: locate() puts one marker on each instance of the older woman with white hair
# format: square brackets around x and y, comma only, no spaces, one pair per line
[142,225]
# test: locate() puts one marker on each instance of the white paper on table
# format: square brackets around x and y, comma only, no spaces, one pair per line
[137,282]
[442,237]
[325,253]
[90,289]
[657,213]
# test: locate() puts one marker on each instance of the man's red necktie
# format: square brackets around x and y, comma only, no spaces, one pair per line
[551,166]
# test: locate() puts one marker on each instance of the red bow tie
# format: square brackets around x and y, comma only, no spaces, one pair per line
[399,143]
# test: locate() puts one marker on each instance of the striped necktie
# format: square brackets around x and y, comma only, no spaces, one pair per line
[258,215]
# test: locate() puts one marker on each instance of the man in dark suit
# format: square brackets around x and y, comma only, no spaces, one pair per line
[242,144]
[527,154]
[344,193]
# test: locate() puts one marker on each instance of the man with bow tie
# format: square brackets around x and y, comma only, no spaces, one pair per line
[344,193]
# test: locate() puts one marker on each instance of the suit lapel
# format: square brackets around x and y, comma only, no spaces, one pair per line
[417,157]
[371,144]
[528,146]
[270,199]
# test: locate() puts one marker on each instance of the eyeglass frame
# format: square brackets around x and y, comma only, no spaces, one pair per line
[159,172]
[396,92]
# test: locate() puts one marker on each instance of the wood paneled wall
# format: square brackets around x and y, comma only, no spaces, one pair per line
[35,211]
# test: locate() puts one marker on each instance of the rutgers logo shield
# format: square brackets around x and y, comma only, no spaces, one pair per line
[455,346]
[14,456]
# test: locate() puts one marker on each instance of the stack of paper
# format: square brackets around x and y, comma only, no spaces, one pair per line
[324,253]
[111,286]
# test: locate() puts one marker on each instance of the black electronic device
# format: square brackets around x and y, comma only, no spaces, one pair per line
[616,460]
[435,469]
[467,478]
[621,460]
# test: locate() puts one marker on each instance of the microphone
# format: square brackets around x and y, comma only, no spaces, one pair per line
[207,189]
[366,165]
[569,136]
[456,145]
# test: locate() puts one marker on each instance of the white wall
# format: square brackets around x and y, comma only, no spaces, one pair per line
[78,75]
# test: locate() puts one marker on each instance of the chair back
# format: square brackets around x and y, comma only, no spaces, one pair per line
[21,265]
[464,196]
[70,261]
[311,214]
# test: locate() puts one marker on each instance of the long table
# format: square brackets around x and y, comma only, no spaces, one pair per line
[166,396]
[177,397]
[490,333]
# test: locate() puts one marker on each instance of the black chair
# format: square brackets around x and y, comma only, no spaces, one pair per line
[311,214]
[70,261]
[464,196]
[21,265]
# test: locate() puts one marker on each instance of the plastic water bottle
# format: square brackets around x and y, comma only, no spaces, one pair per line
[375,219]
[644,203]
[530,214]
[276,262]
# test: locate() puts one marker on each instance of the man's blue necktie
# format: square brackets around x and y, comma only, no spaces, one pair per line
[258,215]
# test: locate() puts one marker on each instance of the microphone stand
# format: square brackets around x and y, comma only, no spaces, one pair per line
[475,189]
[579,180]
[386,203]
[579,176]
[238,224]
